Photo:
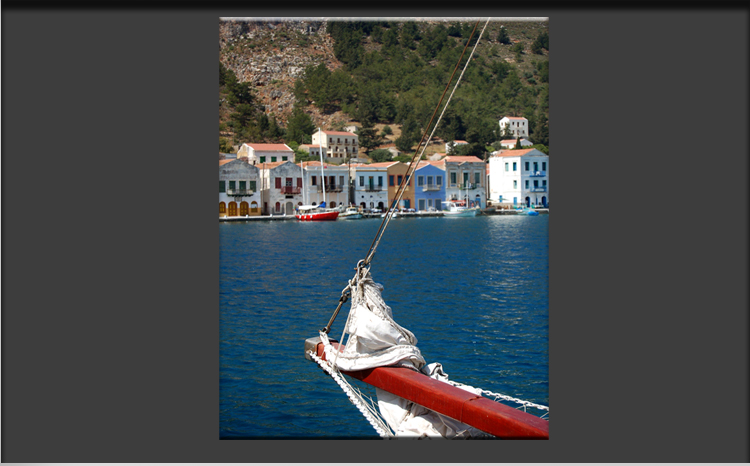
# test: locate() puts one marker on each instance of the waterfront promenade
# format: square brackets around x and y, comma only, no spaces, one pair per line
[282,217]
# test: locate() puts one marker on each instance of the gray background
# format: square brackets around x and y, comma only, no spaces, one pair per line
[110,319]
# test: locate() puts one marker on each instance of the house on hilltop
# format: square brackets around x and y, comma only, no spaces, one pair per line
[516,126]
[336,145]
[265,153]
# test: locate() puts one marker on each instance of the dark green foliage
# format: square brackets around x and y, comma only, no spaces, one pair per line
[503,37]
[368,136]
[380,155]
[300,127]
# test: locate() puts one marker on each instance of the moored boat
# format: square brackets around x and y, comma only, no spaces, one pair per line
[351,213]
[457,209]
[312,213]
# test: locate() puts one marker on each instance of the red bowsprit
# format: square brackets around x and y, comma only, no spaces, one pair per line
[477,411]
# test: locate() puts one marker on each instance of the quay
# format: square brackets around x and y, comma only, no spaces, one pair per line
[282,217]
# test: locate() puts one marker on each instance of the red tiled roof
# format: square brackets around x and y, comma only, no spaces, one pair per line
[512,152]
[267,147]
[515,118]
[383,164]
[268,165]
[462,158]
[225,161]
[339,133]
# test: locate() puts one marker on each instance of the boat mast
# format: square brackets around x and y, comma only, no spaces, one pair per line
[322,174]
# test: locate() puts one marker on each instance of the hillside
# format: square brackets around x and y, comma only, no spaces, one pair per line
[272,57]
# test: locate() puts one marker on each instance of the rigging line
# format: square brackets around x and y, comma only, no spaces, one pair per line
[416,156]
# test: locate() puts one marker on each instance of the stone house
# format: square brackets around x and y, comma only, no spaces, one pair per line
[281,188]
[238,188]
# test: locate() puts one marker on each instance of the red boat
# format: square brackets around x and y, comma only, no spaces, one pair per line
[312,213]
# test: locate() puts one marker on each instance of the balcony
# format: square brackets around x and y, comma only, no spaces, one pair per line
[431,187]
[537,174]
[373,189]
[538,189]
[331,188]
[290,189]
[240,192]
[469,186]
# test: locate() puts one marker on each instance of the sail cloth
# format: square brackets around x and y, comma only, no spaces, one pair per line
[376,340]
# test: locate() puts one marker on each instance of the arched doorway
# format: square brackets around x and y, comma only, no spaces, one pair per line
[381,206]
[289,208]
[244,208]
[363,205]
[277,208]
[222,209]
[528,201]
[478,201]
[333,204]
[254,208]
[232,209]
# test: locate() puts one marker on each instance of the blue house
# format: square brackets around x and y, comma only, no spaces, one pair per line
[429,186]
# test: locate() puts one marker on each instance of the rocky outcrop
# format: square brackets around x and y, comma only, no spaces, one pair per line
[271,55]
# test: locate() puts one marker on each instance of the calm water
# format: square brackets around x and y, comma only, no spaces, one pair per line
[474,291]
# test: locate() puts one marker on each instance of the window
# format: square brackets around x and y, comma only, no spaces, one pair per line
[243,185]
[514,166]
[400,179]
[429,181]
[536,166]
[526,166]
[506,166]
[288,182]
[361,180]
[252,185]
[439,180]
[284,158]
[231,185]
[420,181]
[515,184]
[536,183]
[341,181]
[299,182]
[544,166]
[263,159]
[390,180]
[527,184]
[453,179]
[476,177]
[380,181]
[222,186]
[421,202]
[277,183]
[314,180]
[544,183]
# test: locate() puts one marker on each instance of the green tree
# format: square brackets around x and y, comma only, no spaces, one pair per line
[369,138]
[300,127]
[502,36]
[380,155]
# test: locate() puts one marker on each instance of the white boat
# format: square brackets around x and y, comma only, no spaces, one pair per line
[351,213]
[456,209]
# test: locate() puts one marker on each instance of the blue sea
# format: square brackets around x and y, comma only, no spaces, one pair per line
[474,291]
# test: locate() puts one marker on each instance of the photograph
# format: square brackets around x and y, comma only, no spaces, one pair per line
[384,202]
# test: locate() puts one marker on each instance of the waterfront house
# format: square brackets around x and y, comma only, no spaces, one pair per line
[429,187]
[511,143]
[337,146]
[281,187]
[265,153]
[519,176]
[370,188]
[238,188]
[464,179]
[334,179]
[396,172]
[516,127]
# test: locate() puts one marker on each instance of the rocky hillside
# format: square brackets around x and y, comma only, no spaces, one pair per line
[271,55]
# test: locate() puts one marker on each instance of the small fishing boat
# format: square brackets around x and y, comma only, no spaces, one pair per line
[351,213]
[457,209]
[394,215]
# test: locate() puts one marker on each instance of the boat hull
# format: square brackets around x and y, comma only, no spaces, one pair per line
[461,213]
[317,216]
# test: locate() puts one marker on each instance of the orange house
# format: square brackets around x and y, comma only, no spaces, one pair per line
[396,174]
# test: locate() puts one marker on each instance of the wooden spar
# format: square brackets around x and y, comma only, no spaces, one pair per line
[477,411]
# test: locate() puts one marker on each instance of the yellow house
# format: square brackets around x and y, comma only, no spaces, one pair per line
[396,174]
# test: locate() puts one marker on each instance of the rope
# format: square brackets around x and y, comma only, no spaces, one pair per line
[524,404]
[413,165]
[356,397]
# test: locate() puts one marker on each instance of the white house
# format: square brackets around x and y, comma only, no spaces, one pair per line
[370,188]
[266,153]
[336,145]
[329,183]
[281,187]
[517,126]
[238,188]
[519,176]
[511,143]
[465,179]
